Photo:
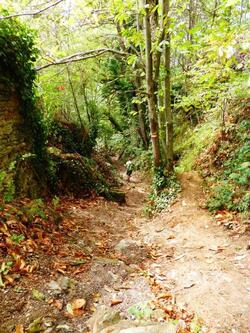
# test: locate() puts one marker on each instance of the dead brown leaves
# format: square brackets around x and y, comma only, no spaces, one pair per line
[26,229]
[165,301]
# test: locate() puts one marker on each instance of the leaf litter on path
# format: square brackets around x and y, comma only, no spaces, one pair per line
[89,230]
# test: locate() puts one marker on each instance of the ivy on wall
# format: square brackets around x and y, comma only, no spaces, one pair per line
[17,56]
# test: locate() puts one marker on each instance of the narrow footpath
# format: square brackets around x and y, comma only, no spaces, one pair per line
[109,259]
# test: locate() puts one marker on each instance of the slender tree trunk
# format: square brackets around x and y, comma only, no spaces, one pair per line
[86,103]
[167,92]
[216,4]
[141,116]
[192,19]
[153,119]
[84,131]
[162,125]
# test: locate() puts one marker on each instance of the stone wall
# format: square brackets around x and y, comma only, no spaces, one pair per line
[12,139]
[14,143]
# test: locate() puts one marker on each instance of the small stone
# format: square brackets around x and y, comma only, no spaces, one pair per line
[64,282]
[53,285]
[63,327]
[79,303]
[103,318]
[125,243]
[49,330]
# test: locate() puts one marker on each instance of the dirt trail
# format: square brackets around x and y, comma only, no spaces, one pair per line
[210,267]
[109,253]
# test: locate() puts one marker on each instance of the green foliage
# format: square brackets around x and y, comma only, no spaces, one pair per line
[222,197]
[55,201]
[17,238]
[70,138]
[37,295]
[165,189]
[195,326]
[231,189]
[119,82]
[75,174]
[18,54]
[35,208]
[9,191]
[210,74]
[4,270]
[7,186]
[190,142]
[140,311]
[143,159]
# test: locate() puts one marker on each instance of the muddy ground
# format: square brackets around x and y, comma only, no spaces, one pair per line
[106,253]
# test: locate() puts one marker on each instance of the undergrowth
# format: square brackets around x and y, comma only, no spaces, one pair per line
[231,181]
[165,188]
[191,141]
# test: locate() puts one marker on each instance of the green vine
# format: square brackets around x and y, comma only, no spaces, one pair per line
[17,56]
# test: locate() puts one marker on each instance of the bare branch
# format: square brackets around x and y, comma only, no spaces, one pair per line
[81,56]
[31,14]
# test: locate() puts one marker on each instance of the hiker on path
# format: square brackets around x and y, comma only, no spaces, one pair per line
[129,169]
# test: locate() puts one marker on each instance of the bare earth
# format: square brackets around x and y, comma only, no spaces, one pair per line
[210,268]
[204,266]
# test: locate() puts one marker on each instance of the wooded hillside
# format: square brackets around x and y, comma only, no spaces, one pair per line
[114,114]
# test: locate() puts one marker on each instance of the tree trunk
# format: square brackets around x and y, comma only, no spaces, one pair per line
[84,131]
[162,125]
[167,92]
[141,116]
[191,19]
[216,4]
[153,119]
[86,103]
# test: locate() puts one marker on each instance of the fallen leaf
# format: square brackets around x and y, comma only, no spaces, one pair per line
[78,262]
[36,326]
[19,264]
[79,303]
[80,270]
[37,295]
[9,279]
[164,296]
[116,302]
[171,236]
[160,229]
[96,297]
[58,304]
[216,249]
[108,289]
[19,328]
[189,285]
[161,277]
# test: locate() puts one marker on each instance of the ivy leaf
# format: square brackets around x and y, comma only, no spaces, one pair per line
[37,295]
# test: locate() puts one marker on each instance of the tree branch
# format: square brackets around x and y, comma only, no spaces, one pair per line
[81,56]
[31,14]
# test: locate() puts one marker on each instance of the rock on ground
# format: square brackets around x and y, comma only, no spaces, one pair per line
[106,320]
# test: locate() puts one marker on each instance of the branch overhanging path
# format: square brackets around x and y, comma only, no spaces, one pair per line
[79,56]
[33,13]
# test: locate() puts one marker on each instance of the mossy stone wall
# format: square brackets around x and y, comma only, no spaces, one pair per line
[15,143]
[12,139]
